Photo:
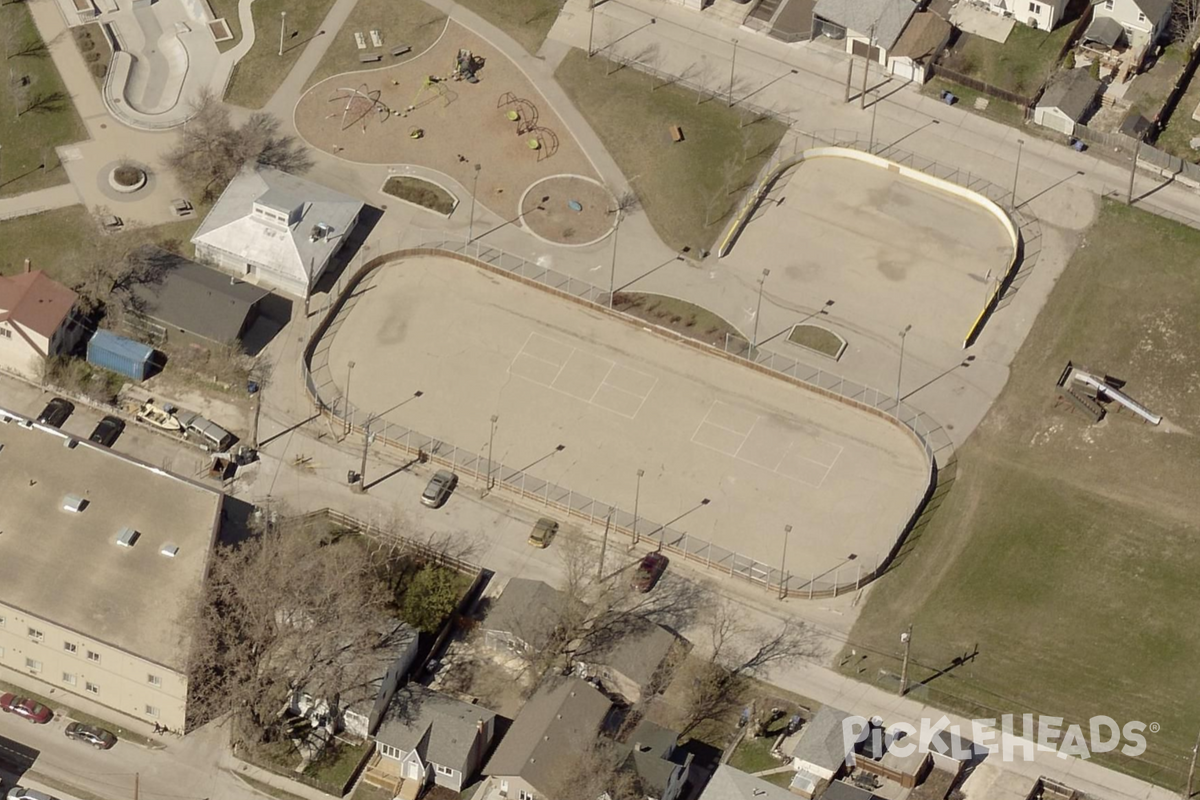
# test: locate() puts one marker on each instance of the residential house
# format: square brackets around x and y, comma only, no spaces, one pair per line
[1043,15]
[37,322]
[554,729]
[820,753]
[1066,101]
[524,618]
[195,303]
[653,755]
[429,735]
[276,229]
[627,660]
[1143,21]
[840,790]
[870,28]
[728,783]
[923,38]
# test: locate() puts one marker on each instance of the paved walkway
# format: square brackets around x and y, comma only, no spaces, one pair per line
[229,59]
[35,202]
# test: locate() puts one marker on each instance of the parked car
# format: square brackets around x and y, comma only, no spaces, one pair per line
[440,486]
[543,531]
[21,793]
[56,412]
[96,737]
[107,431]
[649,571]
[24,707]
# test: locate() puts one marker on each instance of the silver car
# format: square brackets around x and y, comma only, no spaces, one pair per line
[439,488]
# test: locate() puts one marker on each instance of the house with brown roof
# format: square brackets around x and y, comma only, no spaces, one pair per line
[923,38]
[36,322]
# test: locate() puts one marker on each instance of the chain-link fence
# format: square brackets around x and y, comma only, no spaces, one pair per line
[568,503]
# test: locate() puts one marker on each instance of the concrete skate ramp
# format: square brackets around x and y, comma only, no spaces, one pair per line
[156,74]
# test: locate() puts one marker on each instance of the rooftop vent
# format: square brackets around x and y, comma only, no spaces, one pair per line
[27,424]
[74,503]
[170,550]
[320,231]
[70,443]
[127,537]
[6,419]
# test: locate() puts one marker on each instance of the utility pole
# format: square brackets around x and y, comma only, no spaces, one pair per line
[604,544]
[137,779]
[900,368]
[362,470]
[874,114]
[637,495]
[1017,172]
[349,416]
[849,79]
[906,638]
[1187,795]
[474,191]
[787,529]
[862,98]
[758,312]
[612,271]
[1133,172]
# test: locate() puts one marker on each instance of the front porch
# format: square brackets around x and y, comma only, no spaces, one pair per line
[384,773]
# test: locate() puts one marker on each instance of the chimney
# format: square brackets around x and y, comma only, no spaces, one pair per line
[27,266]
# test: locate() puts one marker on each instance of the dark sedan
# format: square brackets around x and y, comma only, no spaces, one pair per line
[107,431]
[649,571]
[56,412]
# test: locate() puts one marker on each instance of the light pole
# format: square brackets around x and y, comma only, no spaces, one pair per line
[491,438]
[591,25]
[758,312]
[282,27]
[906,639]
[474,191]
[732,65]
[900,368]
[637,495]
[661,530]
[612,271]
[787,529]
[349,417]
[874,113]
[1017,171]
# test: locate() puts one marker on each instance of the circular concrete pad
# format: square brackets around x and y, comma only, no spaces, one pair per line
[558,222]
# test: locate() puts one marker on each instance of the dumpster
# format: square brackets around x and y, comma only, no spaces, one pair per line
[125,356]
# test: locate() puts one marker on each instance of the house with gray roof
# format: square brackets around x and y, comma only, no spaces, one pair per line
[196,301]
[276,229]
[628,659]
[524,618]
[1142,21]
[869,27]
[426,735]
[1066,101]
[555,728]
[820,753]
[728,783]
[653,755]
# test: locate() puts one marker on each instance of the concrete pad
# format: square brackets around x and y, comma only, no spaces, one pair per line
[981,22]
[765,452]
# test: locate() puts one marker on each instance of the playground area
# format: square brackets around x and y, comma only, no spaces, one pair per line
[461,108]
[888,249]
[765,453]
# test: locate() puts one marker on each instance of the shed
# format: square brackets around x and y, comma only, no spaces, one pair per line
[1066,100]
[125,356]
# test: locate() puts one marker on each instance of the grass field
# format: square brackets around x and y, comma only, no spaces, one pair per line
[409,22]
[818,339]
[999,110]
[687,189]
[228,9]
[29,139]
[262,70]
[1019,65]
[1181,128]
[1065,552]
[527,21]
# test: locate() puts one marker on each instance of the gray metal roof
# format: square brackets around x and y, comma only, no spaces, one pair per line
[528,609]
[822,742]
[441,728]
[1071,92]
[233,227]
[887,16]
[636,652]
[556,726]
[196,299]
[728,783]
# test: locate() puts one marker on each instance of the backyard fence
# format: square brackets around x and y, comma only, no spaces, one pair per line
[942,71]
[388,535]
[532,490]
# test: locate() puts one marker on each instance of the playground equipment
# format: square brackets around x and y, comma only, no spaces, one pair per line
[436,88]
[1086,392]
[526,112]
[360,103]
[465,66]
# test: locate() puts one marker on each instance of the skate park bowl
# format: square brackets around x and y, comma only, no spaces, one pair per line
[161,58]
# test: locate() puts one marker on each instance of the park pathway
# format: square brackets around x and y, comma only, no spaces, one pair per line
[35,202]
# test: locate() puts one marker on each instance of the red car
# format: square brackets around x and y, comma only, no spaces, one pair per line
[649,571]
[31,710]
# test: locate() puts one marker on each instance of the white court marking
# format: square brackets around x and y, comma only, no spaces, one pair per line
[731,438]
[585,376]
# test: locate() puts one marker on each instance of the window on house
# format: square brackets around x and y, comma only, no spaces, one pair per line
[6,333]
[36,635]
[154,680]
[69,678]
[1035,8]
[443,770]
[91,688]
[1108,5]
[33,665]
[152,711]
[1141,17]
[524,795]
[70,647]
[92,655]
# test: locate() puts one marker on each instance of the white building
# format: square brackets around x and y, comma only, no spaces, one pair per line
[1043,15]
[1143,21]
[36,322]
[276,229]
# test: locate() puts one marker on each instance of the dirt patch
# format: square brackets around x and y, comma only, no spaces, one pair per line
[420,192]
[568,209]
[680,316]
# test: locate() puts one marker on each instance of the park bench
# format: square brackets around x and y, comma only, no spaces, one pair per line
[676,133]
[401,49]
[370,58]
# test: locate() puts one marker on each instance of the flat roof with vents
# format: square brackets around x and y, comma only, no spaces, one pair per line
[121,569]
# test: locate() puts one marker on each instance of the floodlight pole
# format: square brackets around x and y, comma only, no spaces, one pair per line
[862,98]
[1017,172]
[758,312]
[900,368]
[282,27]
[474,191]
[906,638]
[349,418]
[612,272]
[732,66]
[787,529]
[1187,795]
[637,495]
[491,438]
[591,25]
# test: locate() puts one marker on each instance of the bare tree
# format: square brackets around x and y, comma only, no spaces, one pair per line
[1184,16]
[291,607]
[210,149]
[600,771]
[111,272]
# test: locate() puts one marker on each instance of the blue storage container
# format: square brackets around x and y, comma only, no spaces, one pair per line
[129,358]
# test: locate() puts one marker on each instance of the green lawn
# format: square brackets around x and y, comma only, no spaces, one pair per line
[47,116]
[1020,65]
[411,22]
[333,770]
[817,338]
[999,110]
[688,189]
[262,70]
[527,21]
[1065,552]
[754,755]
[1148,92]
[228,9]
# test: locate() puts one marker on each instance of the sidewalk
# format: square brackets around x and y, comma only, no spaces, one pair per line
[35,202]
